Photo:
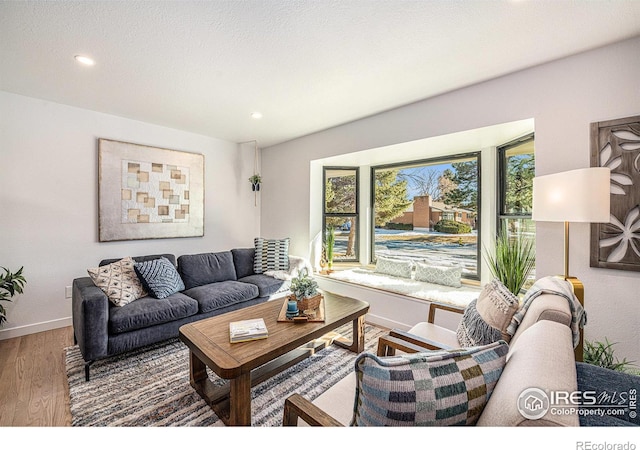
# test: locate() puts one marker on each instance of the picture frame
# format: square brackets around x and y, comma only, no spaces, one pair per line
[616,144]
[147,192]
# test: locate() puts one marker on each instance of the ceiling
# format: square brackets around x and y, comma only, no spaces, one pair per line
[306,65]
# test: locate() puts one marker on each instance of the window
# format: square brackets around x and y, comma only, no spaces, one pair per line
[516,169]
[340,212]
[429,211]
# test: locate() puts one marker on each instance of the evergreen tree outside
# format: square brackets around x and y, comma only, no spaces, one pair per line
[519,192]
[464,177]
[391,196]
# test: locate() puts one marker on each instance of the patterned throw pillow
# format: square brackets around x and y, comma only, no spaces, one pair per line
[486,319]
[446,276]
[436,388]
[119,281]
[271,254]
[395,267]
[159,277]
[497,305]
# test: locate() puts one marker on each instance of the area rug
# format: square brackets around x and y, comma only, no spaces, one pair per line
[150,386]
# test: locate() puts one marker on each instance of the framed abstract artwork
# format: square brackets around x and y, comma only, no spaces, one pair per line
[616,144]
[149,192]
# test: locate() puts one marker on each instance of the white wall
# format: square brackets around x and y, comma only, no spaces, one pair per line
[49,208]
[562,97]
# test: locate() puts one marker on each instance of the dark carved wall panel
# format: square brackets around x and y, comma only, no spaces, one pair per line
[616,144]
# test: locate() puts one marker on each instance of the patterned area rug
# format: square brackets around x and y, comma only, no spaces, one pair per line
[150,386]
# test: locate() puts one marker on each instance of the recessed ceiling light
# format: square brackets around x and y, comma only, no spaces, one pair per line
[256,115]
[84,60]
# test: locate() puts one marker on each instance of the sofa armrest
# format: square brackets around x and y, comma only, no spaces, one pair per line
[296,406]
[90,310]
[434,306]
[406,342]
[545,307]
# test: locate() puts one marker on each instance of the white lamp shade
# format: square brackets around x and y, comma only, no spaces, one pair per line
[575,196]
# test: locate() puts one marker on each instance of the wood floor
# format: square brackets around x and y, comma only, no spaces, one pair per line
[33,382]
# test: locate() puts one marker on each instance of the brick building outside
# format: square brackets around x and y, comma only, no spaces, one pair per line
[424,213]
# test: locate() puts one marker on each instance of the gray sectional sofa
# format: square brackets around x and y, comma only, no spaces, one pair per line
[215,283]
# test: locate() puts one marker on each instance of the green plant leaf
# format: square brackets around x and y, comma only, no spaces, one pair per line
[512,260]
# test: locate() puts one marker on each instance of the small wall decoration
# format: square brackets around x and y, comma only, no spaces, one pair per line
[149,192]
[616,144]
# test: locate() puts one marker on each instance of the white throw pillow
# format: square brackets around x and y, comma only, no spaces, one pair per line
[395,267]
[446,276]
[119,281]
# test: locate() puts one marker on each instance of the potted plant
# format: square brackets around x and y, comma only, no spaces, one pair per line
[601,354]
[330,241]
[10,285]
[513,260]
[255,180]
[305,291]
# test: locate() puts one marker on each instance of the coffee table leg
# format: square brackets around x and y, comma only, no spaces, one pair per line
[357,345]
[240,400]
[197,373]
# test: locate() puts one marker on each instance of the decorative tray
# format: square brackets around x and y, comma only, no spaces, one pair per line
[316,315]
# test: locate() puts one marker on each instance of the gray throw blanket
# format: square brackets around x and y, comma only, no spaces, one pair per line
[556,286]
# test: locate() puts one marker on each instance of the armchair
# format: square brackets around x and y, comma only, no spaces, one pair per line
[540,354]
[423,336]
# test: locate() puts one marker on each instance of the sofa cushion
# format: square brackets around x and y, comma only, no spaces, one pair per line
[266,285]
[149,311]
[169,256]
[205,268]
[434,388]
[118,280]
[218,295]
[446,276]
[270,254]
[243,259]
[395,267]
[159,277]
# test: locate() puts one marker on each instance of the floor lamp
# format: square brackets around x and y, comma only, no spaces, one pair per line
[575,196]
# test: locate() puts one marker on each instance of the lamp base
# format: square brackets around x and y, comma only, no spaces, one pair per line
[578,290]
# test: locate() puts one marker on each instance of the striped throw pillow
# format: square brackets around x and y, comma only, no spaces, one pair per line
[159,277]
[271,254]
[435,388]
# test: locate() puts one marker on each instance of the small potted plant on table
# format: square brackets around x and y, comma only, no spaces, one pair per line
[305,291]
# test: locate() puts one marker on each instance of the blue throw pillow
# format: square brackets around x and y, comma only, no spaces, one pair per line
[159,277]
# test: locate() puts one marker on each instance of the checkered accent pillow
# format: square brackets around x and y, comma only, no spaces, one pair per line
[436,388]
[271,254]
[119,281]
[159,277]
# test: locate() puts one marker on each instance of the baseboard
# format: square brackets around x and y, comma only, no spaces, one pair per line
[34,328]
[384,322]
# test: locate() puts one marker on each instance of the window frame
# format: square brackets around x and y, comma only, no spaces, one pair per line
[501,190]
[356,214]
[431,161]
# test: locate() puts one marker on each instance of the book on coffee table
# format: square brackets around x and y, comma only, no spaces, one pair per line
[247,330]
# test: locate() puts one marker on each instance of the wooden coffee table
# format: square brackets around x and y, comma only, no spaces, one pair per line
[246,364]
